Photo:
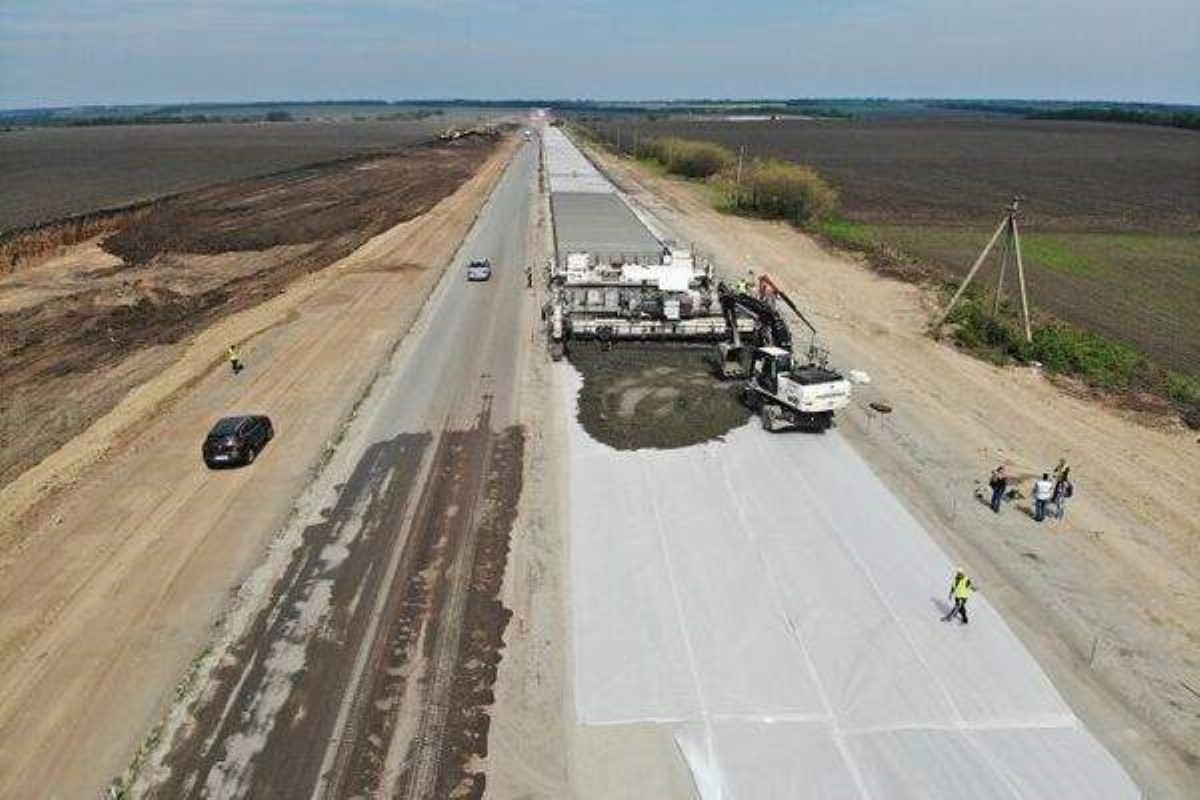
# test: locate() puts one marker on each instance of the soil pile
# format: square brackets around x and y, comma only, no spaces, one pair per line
[639,396]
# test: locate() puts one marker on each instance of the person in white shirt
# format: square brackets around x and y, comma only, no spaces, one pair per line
[1043,490]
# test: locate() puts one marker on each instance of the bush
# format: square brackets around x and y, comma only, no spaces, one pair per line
[1067,350]
[787,191]
[1060,348]
[1097,359]
[994,337]
[776,189]
[685,157]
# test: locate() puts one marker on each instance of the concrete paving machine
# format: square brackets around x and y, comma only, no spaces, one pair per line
[671,298]
[786,392]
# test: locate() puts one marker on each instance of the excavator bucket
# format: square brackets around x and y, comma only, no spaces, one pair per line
[731,361]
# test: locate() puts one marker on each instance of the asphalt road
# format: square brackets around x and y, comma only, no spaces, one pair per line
[368,670]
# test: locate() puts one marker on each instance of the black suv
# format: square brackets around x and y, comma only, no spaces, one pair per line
[236,440]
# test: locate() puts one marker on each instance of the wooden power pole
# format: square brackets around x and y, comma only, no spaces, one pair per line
[1012,244]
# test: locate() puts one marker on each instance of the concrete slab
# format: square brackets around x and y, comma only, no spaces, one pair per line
[601,224]
[767,594]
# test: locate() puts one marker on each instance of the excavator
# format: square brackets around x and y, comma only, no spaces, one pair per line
[786,393]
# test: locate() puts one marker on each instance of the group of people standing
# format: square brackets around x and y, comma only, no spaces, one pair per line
[1050,494]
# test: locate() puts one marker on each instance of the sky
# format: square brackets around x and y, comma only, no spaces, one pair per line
[72,52]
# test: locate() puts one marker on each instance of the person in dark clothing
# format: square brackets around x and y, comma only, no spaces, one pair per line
[999,484]
[1063,490]
[529,277]
[961,590]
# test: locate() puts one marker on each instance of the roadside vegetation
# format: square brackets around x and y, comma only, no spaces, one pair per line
[691,159]
[1064,349]
[1061,348]
[769,188]
[778,189]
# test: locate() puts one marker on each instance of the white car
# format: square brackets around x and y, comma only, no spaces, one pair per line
[479,270]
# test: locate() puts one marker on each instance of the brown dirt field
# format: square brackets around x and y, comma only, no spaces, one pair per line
[93,322]
[1079,176]
[1109,600]
[50,173]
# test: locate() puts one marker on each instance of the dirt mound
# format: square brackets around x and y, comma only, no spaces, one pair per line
[639,396]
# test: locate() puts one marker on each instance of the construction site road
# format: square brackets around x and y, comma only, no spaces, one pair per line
[367,667]
[111,590]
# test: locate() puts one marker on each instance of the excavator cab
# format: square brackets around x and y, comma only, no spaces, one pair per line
[769,364]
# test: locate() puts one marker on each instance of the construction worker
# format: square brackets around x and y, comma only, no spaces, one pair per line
[235,359]
[999,484]
[1064,490]
[961,590]
[1043,491]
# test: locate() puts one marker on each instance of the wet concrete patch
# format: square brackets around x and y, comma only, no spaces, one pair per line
[637,396]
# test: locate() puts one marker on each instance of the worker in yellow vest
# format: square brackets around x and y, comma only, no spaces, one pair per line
[234,354]
[961,590]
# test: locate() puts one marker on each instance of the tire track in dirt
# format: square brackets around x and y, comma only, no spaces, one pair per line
[336,560]
[412,655]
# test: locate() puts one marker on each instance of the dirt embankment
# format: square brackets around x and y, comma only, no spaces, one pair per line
[82,327]
[639,396]
[19,247]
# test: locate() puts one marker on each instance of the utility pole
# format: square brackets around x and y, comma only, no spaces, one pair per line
[1020,269]
[1000,279]
[1012,243]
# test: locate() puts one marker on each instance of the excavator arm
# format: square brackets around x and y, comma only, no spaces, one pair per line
[765,285]
[770,321]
